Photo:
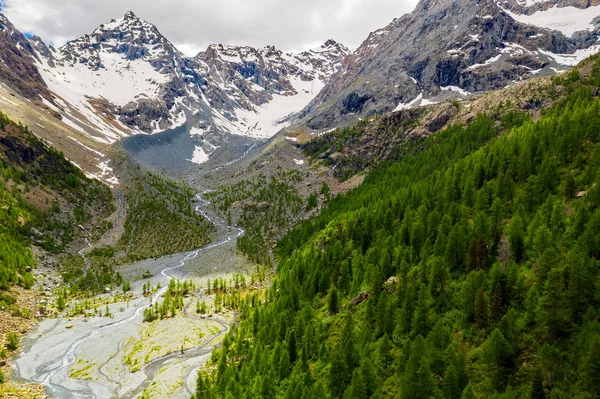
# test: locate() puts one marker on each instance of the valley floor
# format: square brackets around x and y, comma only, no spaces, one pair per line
[115,353]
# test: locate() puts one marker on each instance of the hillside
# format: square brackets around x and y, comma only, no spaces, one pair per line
[361,147]
[161,219]
[45,202]
[465,269]
[44,199]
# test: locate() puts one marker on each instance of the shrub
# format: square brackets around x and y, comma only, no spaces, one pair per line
[13,341]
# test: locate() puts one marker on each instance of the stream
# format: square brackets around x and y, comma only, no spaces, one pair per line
[53,348]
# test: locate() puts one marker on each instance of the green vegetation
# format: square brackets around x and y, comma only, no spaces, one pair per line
[268,206]
[43,198]
[201,307]
[466,269]
[82,370]
[172,301]
[160,218]
[12,343]
[90,276]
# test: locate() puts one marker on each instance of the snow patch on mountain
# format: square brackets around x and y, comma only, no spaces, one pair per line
[455,89]
[266,120]
[567,20]
[417,102]
[199,156]
[570,60]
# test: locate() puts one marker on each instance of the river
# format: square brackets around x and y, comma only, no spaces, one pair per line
[91,357]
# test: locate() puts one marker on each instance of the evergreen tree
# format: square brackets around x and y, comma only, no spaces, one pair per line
[418,380]
[553,312]
[468,393]
[590,370]
[497,355]
[357,389]
[451,383]
[332,301]
[481,309]
[337,372]
[537,386]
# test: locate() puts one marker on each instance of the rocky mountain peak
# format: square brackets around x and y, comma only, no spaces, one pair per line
[130,36]
[453,48]
[17,63]
[130,15]
[332,46]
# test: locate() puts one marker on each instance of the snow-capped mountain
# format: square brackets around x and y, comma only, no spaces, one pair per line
[450,49]
[126,78]
[267,85]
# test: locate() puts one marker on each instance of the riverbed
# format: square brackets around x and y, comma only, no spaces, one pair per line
[117,354]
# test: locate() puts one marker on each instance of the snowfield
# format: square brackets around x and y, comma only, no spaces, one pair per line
[199,156]
[567,20]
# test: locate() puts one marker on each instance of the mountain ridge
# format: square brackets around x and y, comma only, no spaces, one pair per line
[442,46]
[126,78]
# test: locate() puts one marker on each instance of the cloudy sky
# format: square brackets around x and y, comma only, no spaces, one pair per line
[194,24]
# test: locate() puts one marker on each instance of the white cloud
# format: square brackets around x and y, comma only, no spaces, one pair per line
[192,25]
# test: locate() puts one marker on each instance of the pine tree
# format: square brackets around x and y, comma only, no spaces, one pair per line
[468,393]
[451,383]
[477,253]
[357,389]
[418,380]
[497,355]
[332,301]
[481,309]
[291,347]
[553,312]
[537,386]
[505,254]
[337,373]
[590,370]
[370,377]
[202,387]
[570,188]
[516,233]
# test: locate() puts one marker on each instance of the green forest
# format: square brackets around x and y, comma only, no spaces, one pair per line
[268,206]
[160,217]
[42,198]
[468,268]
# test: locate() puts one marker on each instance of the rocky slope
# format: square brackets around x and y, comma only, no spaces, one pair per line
[17,63]
[126,78]
[350,151]
[446,49]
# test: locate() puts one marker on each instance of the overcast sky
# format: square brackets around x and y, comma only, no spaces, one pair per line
[194,24]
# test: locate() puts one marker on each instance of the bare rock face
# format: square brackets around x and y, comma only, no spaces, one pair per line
[17,68]
[445,49]
[439,117]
